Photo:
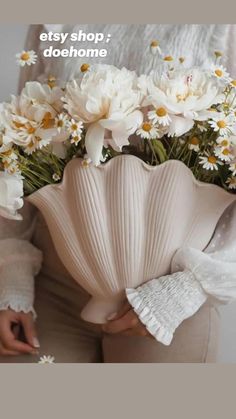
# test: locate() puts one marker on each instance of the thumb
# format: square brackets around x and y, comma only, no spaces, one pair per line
[121,312]
[29,330]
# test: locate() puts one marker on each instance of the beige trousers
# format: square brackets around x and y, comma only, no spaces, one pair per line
[63,334]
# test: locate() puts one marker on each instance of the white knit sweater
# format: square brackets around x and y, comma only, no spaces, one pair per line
[162,303]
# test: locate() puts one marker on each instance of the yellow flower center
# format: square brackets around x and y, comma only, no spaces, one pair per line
[194,141]
[154,43]
[212,159]
[218,72]
[146,127]
[74,127]
[224,143]
[31,130]
[221,124]
[181,60]
[161,112]
[25,56]
[84,67]
[7,153]
[48,121]
[226,152]
[18,124]
[60,123]
[168,58]
[51,81]
[233,82]
[85,163]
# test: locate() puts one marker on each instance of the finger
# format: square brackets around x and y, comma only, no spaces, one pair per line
[140,330]
[128,321]
[29,330]
[16,330]
[123,310]
[11,343]
[5,352]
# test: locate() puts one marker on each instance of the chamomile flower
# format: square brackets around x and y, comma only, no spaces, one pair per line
[232,168]
[86,161]
[220,73]
[84,68]
[201,126]
[159,115]
[26,57]
[224,124]
[147,131]
[231,181]
[193,144]
[155,48]
[46,359]
[75,127]
[75,139]
[223,154]
[209,162]
[61,121]
[56,177]
[233,84]
[223,142]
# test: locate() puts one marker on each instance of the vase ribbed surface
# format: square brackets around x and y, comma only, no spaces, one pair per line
[119,224]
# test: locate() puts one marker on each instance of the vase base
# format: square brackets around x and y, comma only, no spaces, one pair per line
[98,310]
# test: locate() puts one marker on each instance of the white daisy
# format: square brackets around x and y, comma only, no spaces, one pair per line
[75,139]
[220,73]
[159,115]
[61,121]
[209,162]
[147,131]
[193,144]
[86,161]
[224,124]
[46,359]
[75,127]
[26,57]
[201,127]
[233,84]
[232,168]
[155,48]
[56,177]
[223,142]
[231,182]
[223,154]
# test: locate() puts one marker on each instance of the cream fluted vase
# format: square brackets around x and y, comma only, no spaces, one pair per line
[118,225]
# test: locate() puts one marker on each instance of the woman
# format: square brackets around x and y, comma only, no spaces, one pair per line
[180,307]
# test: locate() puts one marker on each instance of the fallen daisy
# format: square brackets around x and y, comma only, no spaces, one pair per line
[46,359]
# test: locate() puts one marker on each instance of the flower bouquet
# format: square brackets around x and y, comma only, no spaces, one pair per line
[125,169]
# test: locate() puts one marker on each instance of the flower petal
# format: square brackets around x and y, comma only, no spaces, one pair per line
[94,141]
[179,126]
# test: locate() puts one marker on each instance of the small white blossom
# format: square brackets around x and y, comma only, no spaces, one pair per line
[26,57]
[56,177]
[220,73]
[209,162]
[147,131]
[231,181]
[46,359]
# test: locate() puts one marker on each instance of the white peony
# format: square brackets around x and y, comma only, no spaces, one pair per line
[11,193]
[107,100]
[180,97]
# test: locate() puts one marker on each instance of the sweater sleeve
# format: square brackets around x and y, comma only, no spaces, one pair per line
[20,261]
[163,303]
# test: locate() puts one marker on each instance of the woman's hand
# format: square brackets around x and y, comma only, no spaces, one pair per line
[125,322]
[10,344]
